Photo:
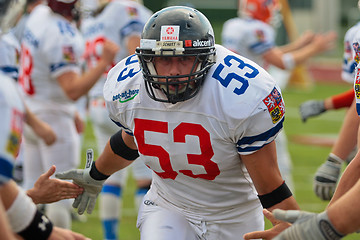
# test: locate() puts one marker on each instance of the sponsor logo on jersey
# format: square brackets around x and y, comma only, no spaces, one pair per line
[357,85]
[132,11]
[357,52]
[149,202]
[127,95]
[14,138]
[68,53]
[169,33]
[275,105]
[260,35]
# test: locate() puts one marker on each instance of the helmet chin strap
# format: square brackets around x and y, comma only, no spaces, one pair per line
[164,88]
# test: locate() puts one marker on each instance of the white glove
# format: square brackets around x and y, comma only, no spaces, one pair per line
[326,177]
[311,108]
[306,226]
[82,177]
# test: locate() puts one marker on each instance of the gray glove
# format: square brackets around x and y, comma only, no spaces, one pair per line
[326,177]
[306,226]
[311,108]
[81,177]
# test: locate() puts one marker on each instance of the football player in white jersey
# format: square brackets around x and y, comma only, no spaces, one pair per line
[341,216]
[52,80]
[18,214]
[254,38]
[312,108]
[343,150]
[122,22]
[204,119]
[10,52]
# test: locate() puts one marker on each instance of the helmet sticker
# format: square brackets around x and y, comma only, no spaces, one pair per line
[169,33]
[148,43]
[169,44]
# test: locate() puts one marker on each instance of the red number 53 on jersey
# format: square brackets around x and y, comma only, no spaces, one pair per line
[179,133]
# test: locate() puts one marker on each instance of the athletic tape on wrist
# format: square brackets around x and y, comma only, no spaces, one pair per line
[288,61]
[278,195]
[121,149]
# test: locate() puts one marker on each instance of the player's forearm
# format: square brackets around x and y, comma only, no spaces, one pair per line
[287,204]
[8,193]
[5,229]
[344,213]
[303,54]
[88,80]
[293,46]
[109,162]
[348,179]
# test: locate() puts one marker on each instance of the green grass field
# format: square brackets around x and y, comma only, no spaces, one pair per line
[306,159]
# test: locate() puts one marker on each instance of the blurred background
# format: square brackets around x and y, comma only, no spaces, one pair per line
[320,79]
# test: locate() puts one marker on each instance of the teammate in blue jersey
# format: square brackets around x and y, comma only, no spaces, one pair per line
[204,119]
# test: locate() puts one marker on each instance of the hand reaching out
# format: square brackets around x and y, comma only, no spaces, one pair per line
[278,227]
[48,190]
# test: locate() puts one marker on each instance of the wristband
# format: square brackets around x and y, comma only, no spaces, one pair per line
[288,61]
[278,195]
[21,212]
[95,174]
[40,228]
[26,220]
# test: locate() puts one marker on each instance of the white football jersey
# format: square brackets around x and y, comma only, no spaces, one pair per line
[349,64]
[248,37]
[9,52]
[118,21]
[50,47]
[11,126]
[194,146]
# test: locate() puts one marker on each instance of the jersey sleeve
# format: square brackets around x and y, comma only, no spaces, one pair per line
[120,87]
[349,64]
[263,125]
[261,39]
[63,52]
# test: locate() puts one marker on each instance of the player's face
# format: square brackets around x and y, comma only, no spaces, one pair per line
[174,66]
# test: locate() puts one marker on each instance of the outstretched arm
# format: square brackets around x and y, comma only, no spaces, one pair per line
[264,171]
